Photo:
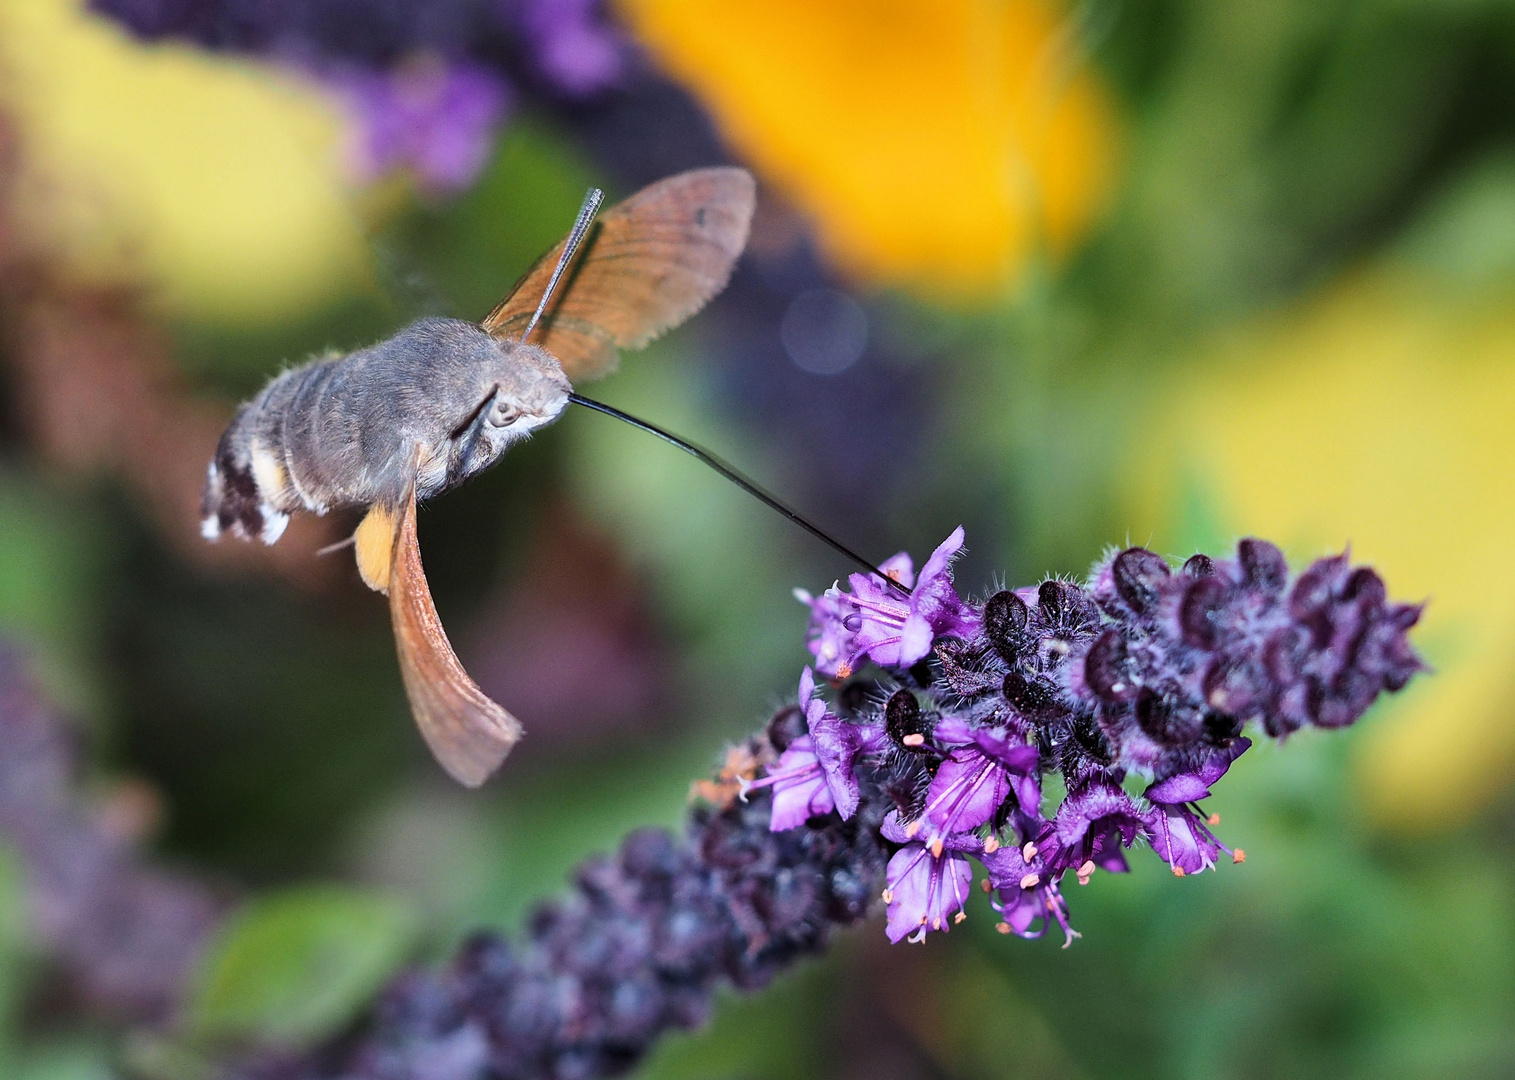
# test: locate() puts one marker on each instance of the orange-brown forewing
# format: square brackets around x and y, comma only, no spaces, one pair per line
[651,261]
[469,734]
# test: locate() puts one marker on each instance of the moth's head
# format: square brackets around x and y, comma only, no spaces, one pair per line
[525,389]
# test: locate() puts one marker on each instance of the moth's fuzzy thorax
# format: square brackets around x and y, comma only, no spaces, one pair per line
[351,430]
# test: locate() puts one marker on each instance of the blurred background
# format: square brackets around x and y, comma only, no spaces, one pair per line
[1159,271]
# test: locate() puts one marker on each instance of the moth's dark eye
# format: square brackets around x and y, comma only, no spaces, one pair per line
[503,414]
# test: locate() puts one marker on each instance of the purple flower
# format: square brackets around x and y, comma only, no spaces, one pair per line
[878,620]
[1180,833]
[837,745]
[925,887]
[1095,822]
[800,791]
[1195,784]
[436,118]
[427,84]
[1026,892]
[972,784]
[832,634]
[571,44]
[816,772]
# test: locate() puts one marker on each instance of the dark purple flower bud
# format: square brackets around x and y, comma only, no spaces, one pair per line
[1263,564]
[904,723]
[1366,588]
[1200,610]
[1032,698]
[1107,668]
[786,726]
[1066,608]
[1005,618]
[1155,716]
[1198,566]
[1237,687]
[1284,654]
[1139,577]
[1317,587]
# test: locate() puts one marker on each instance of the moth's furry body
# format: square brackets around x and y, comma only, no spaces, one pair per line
[437,403]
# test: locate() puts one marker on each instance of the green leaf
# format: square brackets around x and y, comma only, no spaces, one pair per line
[295,966]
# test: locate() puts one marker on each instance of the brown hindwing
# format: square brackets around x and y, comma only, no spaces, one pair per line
[651,262]
[469,734]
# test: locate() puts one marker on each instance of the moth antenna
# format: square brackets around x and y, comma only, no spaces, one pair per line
[740,481]
[587,210]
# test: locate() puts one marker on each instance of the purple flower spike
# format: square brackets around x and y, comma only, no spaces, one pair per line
[1146,666]
[925,889]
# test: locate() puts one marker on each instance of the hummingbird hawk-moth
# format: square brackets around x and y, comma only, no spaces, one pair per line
[409,417]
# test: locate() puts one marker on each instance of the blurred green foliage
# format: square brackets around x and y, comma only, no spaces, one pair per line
[296,965]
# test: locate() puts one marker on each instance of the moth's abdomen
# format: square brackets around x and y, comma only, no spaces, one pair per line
[248,491]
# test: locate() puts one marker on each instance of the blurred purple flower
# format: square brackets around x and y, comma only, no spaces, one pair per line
[428,83]
[434,118]
[125,935]
[570,43]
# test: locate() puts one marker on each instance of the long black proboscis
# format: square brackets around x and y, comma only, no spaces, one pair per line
[740,481]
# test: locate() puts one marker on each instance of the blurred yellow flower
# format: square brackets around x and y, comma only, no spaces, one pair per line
[938,144]
[1380,417]
[214,183]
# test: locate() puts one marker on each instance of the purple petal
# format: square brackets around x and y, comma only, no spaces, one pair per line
[915,641]
[836,748]
[1182,841]
[800,791]
[1195,785]
[966,792]
[925,891]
